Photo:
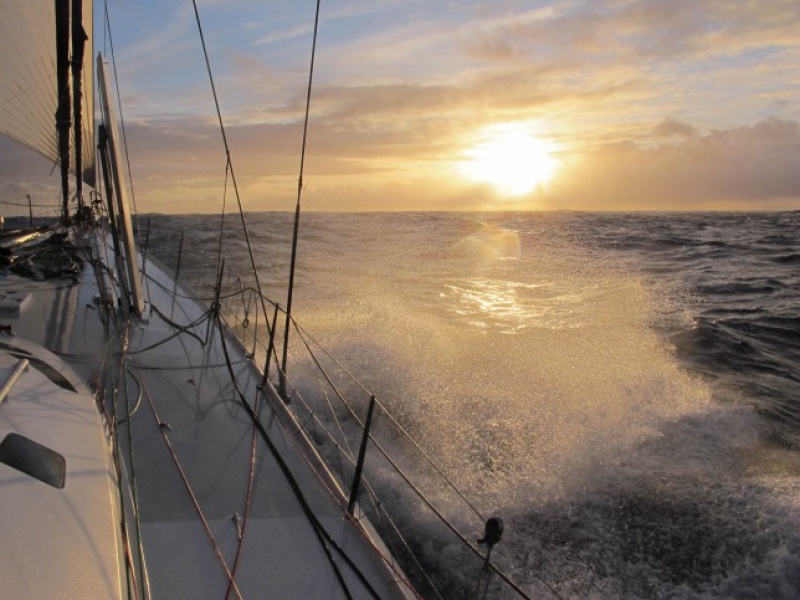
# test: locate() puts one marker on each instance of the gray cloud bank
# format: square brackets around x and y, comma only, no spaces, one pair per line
[755,167]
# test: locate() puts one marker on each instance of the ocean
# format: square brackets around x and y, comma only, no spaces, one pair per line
[622,389]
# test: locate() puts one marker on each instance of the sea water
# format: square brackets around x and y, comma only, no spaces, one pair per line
[621,389]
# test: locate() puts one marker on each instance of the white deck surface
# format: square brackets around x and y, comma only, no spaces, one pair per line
[56,543]
[193,452]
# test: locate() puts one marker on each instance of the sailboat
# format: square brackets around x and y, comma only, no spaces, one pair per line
[144,453]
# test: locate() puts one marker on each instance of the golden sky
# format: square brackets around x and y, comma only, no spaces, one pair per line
[463,105]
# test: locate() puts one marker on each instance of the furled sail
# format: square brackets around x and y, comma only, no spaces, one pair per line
[28,90]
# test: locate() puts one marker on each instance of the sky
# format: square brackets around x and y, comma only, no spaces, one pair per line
[441,104]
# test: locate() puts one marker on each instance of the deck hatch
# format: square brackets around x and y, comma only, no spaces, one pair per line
[31,458]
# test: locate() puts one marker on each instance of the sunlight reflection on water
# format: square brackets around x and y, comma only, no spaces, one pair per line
[512,306]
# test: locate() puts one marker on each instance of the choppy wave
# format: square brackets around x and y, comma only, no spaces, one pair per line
[621,388]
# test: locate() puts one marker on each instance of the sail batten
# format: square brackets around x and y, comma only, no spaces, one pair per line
[29,98]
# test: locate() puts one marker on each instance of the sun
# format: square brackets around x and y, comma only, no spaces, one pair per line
[511,159]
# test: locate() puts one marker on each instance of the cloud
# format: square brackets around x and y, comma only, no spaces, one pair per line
[746,167]
[281,36]
[687,58]
[669,31]
[648,102]
[669,128]
[749,167]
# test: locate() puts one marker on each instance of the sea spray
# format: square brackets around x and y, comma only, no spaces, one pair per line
[558,368]
[559,379]
[528,373]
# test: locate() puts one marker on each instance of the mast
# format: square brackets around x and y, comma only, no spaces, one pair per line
[62,9]
[79,39]
[133,289]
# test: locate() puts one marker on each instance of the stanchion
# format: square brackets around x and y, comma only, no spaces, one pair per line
[362,451]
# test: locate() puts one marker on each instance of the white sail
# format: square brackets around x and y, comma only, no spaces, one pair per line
[28,96]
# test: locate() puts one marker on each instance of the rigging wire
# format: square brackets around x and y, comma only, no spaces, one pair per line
[138,403]
[246,517]
[289,320]
[326,540]
[19,202]
[195,502]
[389,561]
[180,329]
[123,391]
[119,392]
[198,298]
[406,478]
[300,333]
[382,513]
[109,411]
[230,164]
[305,336]
[299,194]
[122,122]
[222,214]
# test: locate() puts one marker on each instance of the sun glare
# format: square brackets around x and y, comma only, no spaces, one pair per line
[510,159]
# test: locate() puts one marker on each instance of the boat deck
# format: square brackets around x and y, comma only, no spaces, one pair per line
[221,505]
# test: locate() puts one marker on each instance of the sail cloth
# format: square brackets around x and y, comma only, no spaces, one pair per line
[28,94]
